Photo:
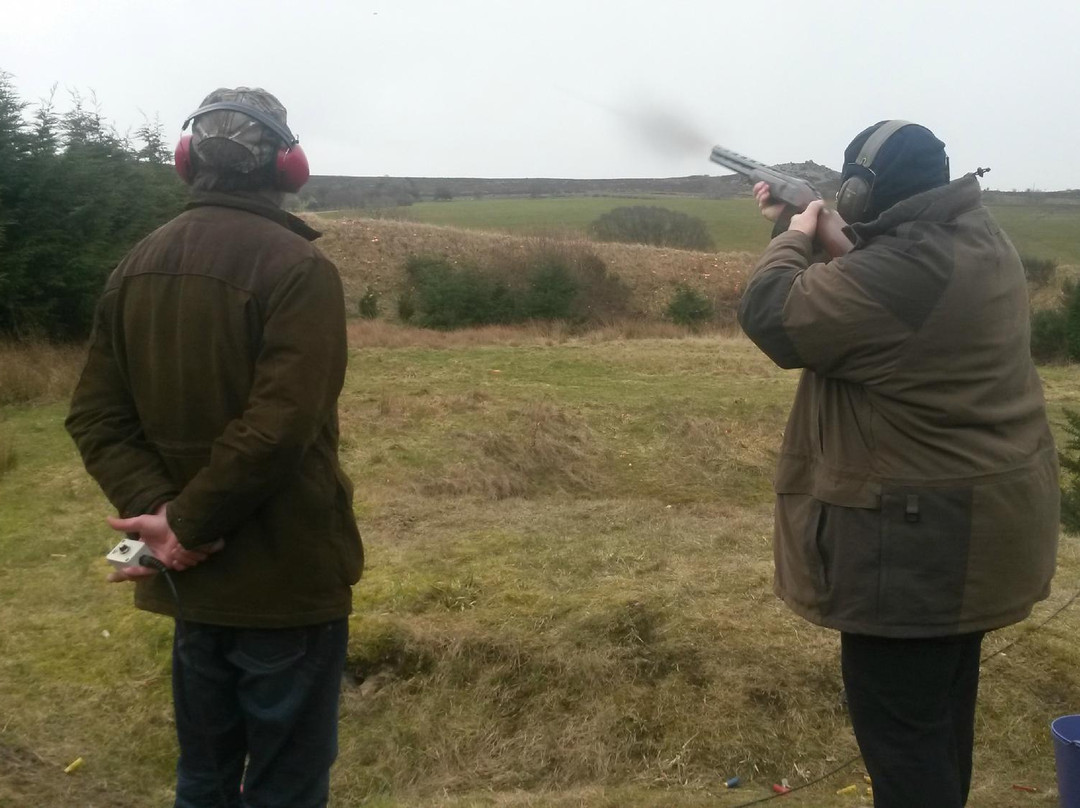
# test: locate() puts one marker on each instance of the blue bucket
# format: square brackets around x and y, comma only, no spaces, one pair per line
[1066,732]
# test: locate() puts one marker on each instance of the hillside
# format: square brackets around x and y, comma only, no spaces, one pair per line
[371,254]
[334,192]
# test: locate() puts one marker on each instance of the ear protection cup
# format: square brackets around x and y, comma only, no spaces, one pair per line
[292,168]
[182,159]
[291,163]
[853,198]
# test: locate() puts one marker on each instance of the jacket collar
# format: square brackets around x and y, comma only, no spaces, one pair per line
[253,203]
[940,204]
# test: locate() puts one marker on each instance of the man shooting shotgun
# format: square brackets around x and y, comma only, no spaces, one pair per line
[917,498]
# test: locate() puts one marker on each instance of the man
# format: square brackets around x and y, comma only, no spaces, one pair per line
[207,412]
[916,492]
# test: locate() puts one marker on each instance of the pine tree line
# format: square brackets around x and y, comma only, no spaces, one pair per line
[74,197]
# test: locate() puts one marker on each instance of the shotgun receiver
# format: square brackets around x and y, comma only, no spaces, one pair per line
[782,187]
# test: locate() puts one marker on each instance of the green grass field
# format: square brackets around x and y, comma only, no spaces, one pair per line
[734,224]
[1043,230]
[567,601]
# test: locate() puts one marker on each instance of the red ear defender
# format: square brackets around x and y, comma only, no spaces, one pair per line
[292,168]
[182,158]
[291,165]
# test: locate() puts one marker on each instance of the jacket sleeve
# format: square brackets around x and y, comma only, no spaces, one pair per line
[299,372]
[823,316]
[105,426]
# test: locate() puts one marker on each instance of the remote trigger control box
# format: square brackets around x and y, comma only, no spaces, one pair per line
[127,553]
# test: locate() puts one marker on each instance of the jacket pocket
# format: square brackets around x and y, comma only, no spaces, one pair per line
[925,542]
[800,570]
[352,551]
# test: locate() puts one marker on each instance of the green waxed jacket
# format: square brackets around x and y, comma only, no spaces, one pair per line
[212,380]
[917,490]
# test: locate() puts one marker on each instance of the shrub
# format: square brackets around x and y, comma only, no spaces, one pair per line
[1071,313]
[552,268]
[442,194]
[1048,336]
[406,305]
[454,297]
[1070,478]
[550,281]
[368,305]
[660,227]
[551,292]
[1039,271]
[689,307]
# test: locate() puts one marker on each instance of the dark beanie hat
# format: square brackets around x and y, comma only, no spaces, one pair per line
[911,161]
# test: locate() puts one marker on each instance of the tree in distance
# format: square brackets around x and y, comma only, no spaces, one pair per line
[649,224]
[689,307]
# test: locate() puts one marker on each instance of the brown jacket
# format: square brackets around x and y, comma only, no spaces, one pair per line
[917,490]
[212,381]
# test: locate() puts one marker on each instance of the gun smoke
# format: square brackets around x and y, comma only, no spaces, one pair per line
[664,131]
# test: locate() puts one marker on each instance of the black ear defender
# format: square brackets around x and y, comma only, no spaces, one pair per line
[853,198]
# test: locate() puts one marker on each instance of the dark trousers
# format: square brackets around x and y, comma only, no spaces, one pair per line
[912,705]
[256,708]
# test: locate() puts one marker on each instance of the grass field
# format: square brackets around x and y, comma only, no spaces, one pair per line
[567,602]
[1045,230]
[734,224]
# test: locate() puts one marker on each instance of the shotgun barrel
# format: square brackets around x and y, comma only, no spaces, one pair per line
[797,193]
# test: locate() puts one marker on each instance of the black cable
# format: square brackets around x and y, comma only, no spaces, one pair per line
[1032,630]
[793,789]
[181,639]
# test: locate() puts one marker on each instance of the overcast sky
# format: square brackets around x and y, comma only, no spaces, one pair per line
[582,88]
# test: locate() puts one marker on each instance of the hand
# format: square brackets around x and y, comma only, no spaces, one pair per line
[830,233]
[807,221]
[769,209]
[153,529]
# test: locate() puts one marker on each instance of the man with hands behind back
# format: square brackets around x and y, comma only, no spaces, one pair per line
[207,412]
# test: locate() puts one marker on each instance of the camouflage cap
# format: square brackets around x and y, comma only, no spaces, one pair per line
[232,141]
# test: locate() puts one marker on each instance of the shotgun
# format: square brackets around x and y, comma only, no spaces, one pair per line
[782,187]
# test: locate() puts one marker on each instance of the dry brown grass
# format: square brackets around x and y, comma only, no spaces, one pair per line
[567,600]
[387,334]
[371,253]
[38,371]
[543,449]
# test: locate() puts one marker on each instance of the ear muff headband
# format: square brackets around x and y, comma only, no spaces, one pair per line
[275,126]
[291,163]
[868,153]
[853,198]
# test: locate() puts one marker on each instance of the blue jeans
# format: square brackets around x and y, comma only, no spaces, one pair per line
[256,714]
